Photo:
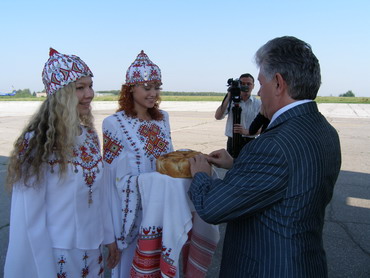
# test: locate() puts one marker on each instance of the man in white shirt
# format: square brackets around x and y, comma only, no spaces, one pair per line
[250,106]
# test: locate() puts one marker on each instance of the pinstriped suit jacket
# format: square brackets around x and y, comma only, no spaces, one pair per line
[274,198]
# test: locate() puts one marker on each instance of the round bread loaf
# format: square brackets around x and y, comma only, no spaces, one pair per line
[175,164]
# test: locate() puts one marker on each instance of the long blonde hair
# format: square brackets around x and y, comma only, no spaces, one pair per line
[53,130]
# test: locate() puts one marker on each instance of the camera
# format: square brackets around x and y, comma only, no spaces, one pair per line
[235,87]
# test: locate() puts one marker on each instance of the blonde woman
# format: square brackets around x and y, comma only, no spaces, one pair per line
[58,217]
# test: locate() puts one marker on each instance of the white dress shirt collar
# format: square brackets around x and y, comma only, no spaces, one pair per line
[286,108]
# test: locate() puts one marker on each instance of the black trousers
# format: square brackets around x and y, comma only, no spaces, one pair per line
[229,146]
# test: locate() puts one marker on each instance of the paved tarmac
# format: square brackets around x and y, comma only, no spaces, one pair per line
[347,221]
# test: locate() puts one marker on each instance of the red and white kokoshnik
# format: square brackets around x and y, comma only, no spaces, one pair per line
[62,69]
[142,70]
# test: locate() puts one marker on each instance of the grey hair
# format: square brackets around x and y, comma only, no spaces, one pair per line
[295,61]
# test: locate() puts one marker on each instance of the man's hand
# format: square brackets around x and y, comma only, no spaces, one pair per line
[198,164]
[238,128]
[114,255]
[221,158]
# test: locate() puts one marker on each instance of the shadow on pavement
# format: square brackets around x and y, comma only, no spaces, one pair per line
[347,226]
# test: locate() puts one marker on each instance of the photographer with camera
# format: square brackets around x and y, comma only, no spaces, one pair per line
[238,100]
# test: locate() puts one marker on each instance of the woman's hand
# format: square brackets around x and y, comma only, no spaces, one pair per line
[114,255]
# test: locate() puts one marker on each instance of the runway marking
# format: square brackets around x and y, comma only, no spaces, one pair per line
[358,202]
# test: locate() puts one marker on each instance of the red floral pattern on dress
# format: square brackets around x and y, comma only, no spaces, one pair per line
[100,261]
[85,270]
[86,155]
[61,263]
[147,139]
[155,143]
[112,147]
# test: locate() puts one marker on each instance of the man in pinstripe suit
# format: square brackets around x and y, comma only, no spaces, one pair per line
[273,197]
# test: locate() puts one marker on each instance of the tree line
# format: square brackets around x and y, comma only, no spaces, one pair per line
[166,93]
[25,93]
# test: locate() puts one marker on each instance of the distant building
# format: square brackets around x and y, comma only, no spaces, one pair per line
[41,94]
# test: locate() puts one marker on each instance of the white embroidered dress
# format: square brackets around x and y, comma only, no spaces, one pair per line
[131,147]
[61,219]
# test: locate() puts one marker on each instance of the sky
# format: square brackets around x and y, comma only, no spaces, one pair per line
[198,44]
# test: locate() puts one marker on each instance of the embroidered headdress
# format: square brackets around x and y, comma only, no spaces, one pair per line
[61,69]
[142,70]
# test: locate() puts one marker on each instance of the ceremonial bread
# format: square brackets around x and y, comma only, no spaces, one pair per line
[176,164]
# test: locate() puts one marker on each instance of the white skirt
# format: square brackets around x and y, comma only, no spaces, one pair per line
[79,263]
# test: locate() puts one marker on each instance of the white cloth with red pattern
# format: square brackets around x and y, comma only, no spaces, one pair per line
[168,217]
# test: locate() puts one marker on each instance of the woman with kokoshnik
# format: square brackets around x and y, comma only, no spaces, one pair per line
[58,220]
[134,137]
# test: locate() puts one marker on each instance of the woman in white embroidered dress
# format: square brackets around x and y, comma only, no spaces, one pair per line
[134,138]
[55,173]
